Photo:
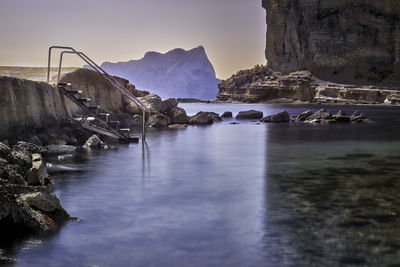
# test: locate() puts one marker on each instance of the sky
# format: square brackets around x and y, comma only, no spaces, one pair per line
[231,31]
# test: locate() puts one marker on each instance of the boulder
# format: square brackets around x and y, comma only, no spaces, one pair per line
[214,116]
[201,118]
[205,118]
[59,149]
[132,108]
[304,115]
[152,102]
[40,211]
[319,116]
[250,114]
[282,116]
[341,116]
[37,174]
[177,116]
[168,104]
[227,114]
[158,121]
[359,117]
[93,142]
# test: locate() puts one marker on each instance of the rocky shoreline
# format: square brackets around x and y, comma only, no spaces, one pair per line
[263,85]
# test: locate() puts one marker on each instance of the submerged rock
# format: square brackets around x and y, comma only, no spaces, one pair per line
[177,126]
[250,114]
[282,116]
[59,149]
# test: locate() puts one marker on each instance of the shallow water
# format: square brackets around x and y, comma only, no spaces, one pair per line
[234,195]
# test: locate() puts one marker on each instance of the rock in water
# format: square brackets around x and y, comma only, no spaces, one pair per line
[319,116]
[178,73]
[59,149]
[201,118]
[93,142]
[168,104]
[227,114]
[158,121]
[250,114]
[205,118]
[26,205]
[152,102]
[304,115]
[177,116]
[282,116]
[341,116]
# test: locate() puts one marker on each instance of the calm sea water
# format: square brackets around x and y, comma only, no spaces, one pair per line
[234,195]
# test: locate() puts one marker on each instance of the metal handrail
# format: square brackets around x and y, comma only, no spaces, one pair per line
[98,69]
[102,72]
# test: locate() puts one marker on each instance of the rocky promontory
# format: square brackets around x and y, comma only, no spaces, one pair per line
[262,84]
[27,203]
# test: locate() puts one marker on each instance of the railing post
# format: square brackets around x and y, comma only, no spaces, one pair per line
[144,126]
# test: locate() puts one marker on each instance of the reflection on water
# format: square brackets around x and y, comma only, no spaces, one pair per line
[234,195]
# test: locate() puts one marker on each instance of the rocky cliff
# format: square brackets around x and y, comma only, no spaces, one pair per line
[345,41]
[25,104]
[261,84]
[177,73]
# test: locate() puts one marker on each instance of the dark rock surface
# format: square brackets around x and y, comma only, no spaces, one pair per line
[349,41]
[227,114]
[158,121]
[26,203]
[202,118]
[249,114]
[282,116]
[262,84]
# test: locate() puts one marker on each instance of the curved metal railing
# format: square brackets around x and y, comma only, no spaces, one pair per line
[102,72]
[95,67]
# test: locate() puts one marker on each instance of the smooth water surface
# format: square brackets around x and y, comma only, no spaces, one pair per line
[234,195]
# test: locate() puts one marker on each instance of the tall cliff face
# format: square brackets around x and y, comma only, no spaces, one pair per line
[351,41]
[177,73]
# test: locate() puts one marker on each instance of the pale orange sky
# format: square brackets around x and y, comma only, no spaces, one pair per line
[232,31]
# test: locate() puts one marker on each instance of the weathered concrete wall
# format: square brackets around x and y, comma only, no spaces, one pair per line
[351,41]
[25,104]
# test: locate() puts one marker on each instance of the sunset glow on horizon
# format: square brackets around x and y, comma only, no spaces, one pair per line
[231,31]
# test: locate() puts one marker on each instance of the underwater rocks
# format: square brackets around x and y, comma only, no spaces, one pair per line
[27,203]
